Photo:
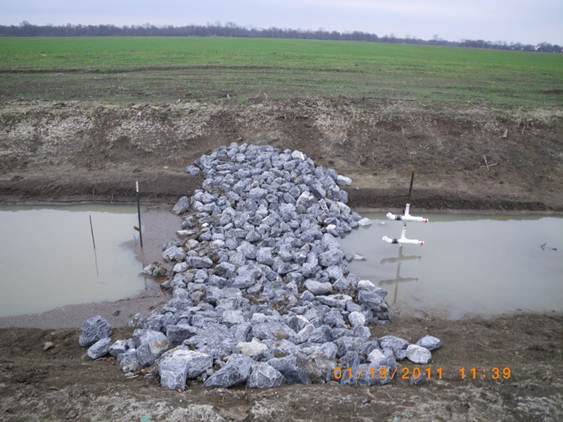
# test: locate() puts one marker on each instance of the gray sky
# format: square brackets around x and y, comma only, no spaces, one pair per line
[530,21]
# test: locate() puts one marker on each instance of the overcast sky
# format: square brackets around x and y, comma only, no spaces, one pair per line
[530,21]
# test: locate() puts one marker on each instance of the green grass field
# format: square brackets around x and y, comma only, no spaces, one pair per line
[211,67]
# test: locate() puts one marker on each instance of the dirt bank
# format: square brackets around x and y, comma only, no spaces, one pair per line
[88,151]
[61,384]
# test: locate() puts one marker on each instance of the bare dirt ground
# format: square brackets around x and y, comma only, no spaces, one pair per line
[93,151]
[62,384]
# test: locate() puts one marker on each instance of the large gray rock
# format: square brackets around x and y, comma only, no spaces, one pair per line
[327,350]
[93,329]
[336,301]
[193,170]
[330,242]
[236,371]
[128,361]
[257,193]
[320,369]
[180,364]
[225,269]
[99,348]
[356,319]
[418,354]
[373,298]
[176,334]
[150,345]
[181,206]
[343,180]
[396,344]
[272,330]
[298,155]
[199,262]
[180,267]
[304,334]
[331,257]
[334,272]
[321,334]
[253,349]
[304,202]
[429,342]
[318,288]
[292,368]
[264,256]
[297,322]
[376,356]
[173,253]
[348,343]
[118,348]
[232,316]
[366,285]
[264,376]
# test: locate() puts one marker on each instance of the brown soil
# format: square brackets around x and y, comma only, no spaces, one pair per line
[62,384]
[86,151]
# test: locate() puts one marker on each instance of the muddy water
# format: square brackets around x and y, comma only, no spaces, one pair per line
[47,258]
[470,265]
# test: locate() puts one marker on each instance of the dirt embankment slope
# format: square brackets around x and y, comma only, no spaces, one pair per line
[62,384]
[463,158]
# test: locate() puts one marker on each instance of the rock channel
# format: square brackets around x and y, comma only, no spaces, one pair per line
[262,294]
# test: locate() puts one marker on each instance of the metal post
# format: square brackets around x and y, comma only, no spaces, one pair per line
[94,244]
[410,187]
[139,212]
[92,232]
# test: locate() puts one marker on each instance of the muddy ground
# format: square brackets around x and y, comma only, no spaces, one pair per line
[467,157]
[62,384]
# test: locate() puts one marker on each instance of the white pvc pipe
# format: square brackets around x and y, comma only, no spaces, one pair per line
[403,240]
[406,216]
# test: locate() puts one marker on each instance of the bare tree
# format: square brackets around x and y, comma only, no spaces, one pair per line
[231,29]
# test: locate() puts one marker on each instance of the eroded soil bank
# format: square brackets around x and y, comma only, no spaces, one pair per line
[62,384]
[470,158]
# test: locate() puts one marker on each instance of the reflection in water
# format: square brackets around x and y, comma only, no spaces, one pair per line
[94,246]
[469,265]
[48,258]
[398,279]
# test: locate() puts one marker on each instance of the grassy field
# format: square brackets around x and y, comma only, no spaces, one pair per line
[168,68]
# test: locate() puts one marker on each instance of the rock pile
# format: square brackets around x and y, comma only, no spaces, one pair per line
[261,289]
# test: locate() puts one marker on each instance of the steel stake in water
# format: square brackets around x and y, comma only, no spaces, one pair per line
[94,244]
[92,232]
[139,212]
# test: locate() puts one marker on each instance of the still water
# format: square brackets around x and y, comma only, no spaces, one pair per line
[47,258]
[470,264]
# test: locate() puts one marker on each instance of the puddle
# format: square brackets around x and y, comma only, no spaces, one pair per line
[47,257]
[470,265]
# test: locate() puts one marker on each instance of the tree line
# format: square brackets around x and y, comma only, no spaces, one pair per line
[26,29]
